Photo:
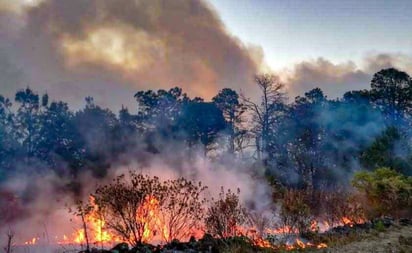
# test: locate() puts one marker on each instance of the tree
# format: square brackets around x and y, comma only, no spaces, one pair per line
[303,137]
[96,126]
[9,147]
[61,144]
[28,119]
[201,122]
[160,110]
[265,113]
[391,90]
[390,149]
[227,100]
[82,210]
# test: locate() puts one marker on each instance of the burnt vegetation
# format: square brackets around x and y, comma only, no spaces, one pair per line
[343,161]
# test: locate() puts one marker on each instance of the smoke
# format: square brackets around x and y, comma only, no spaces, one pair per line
[337,78]
[46,197]
[111,49]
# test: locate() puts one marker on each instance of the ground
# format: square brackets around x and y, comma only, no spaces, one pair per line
[396,239]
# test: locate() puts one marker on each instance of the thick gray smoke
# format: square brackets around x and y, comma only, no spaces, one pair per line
[110,49]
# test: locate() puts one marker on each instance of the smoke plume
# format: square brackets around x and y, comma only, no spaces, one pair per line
[111,49]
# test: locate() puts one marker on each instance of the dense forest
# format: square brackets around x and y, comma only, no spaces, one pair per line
[311,141]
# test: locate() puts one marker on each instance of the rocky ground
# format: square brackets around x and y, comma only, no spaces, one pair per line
[395,239]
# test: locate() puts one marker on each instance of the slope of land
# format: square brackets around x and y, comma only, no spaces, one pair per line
[396,239]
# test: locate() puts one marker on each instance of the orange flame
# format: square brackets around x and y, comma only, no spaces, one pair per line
[155,229]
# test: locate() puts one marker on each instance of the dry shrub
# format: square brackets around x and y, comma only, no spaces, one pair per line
[340,207]
[225,216]
[295,212]
[141,207]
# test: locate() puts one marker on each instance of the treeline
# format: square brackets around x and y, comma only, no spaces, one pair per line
[311,142]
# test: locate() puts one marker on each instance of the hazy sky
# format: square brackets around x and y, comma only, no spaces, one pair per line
[291,31]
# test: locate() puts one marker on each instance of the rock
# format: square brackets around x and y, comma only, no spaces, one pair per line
[120,248]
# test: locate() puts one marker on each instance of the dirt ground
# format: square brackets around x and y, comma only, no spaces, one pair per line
[392,240]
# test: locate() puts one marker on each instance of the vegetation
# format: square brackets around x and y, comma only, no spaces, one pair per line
[139,207]
[387,192]
[226,216]
[308,149]
[308,143]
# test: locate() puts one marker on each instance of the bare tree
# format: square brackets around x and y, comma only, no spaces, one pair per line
[10,236]
[264,113]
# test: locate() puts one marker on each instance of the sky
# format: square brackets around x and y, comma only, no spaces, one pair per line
[110,49]
[296,30]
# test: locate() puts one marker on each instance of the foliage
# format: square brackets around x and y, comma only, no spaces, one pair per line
[379,226]
[201,122]
[387,192]
[390,149]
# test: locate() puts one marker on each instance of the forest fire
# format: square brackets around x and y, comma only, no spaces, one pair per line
[95,231]
[142,210]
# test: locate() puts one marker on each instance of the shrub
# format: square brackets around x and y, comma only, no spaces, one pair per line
[295,213]
[387,192]
[226,215]
[140,207]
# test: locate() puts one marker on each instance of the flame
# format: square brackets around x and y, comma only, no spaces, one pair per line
[151,216]
[96,230]
[32,241]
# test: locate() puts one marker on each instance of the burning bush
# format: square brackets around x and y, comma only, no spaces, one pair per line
[341,207]
[143,208]
[295,212]
[387,192]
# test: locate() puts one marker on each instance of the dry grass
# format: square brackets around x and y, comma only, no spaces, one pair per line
[392,240]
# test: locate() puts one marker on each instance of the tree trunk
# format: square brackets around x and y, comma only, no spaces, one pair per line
[85,233]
